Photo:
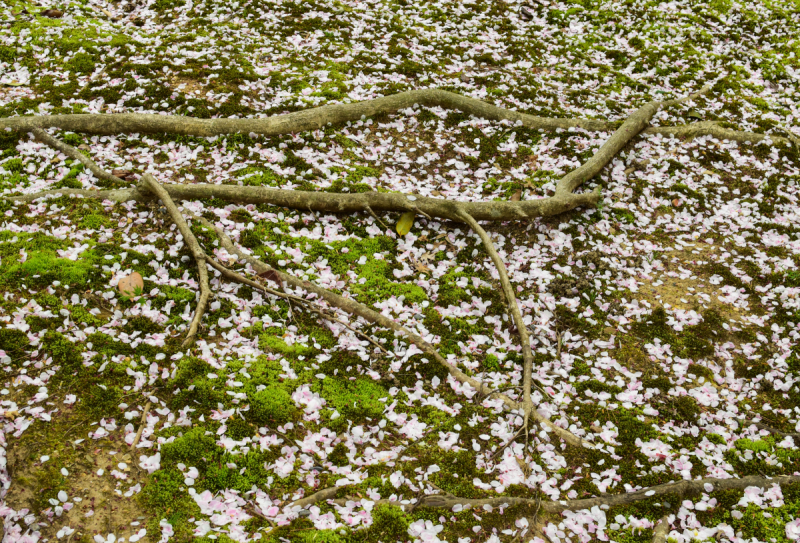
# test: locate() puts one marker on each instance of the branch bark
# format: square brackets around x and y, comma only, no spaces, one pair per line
[300,121]
[149,183]
[315,118]
[682,488]
[516,316]
[75,154]
[325,202]
[661,530]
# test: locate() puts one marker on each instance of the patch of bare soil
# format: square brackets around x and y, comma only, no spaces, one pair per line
[683,284]
[80,484]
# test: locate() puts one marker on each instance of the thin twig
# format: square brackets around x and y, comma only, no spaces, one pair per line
[75,154]
[311,306]
[142,423]
[369,209]
[509,442]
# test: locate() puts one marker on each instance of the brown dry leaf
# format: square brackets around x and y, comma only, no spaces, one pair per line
[128,284]
[271,275]
[420,266]
[676,202]
[52,13]
[516,196]
[126,175]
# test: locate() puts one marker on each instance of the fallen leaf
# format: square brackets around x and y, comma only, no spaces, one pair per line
[271,275]
[693,114]
[526,13]
[128,284]
[52,13]
[405,223]
[676,202]
[516,196]
[422,268]
[125,175]
[14,83]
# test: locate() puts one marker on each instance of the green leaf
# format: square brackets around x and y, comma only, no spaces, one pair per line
[405,223]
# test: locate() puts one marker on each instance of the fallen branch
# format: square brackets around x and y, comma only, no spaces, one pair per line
[771,430]
[149,183]
[300,121]
[713,129]
[682,488]
[516,316]
[234,276]
[316,118]
[316,497]
[75,154]
[326,202]
[661,530]
[138,435]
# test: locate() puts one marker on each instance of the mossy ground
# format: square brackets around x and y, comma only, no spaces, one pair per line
[668,314]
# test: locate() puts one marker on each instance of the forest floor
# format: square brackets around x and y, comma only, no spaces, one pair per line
[664,323]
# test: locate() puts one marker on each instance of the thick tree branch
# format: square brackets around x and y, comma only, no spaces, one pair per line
[315,118]
[300,121]
[713,129]
[325,202]
[682,488]
[634,124]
